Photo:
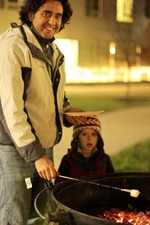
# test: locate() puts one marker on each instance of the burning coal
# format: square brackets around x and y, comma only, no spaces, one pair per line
[127,217]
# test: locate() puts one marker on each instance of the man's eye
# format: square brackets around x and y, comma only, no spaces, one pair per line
[59,16]
[46,14]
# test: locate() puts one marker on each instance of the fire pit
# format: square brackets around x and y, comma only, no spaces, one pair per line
[87,204]
[128,216]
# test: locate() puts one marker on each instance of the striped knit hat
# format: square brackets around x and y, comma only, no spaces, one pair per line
[89,122]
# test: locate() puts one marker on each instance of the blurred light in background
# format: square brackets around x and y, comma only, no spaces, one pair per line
[70,51]
[112,48]
[76,74]
[124,11]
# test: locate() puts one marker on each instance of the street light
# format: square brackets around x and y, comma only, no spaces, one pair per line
[138,56]
[112,51]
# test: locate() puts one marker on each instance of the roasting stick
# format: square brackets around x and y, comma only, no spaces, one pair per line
[133,192]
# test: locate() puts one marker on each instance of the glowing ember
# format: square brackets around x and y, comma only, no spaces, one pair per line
[127,217]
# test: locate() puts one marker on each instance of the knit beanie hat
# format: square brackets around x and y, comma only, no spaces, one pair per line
[89,122]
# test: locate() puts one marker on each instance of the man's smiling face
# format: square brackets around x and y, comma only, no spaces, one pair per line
[47,20]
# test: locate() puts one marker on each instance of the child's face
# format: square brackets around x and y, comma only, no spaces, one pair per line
[88,139]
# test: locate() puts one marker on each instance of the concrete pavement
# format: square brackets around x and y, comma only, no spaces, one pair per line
[120,129]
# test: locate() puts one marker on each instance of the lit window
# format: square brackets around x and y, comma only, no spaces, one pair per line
[125,11]
[12,0]
[11,4]
[1,4]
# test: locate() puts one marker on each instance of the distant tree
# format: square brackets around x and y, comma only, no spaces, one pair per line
[128,36]
[145,55]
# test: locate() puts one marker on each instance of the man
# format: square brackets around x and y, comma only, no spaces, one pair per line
[32,103]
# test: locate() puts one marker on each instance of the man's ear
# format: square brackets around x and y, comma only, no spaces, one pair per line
[31,16]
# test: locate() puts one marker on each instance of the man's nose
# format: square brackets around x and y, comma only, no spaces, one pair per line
[52,20]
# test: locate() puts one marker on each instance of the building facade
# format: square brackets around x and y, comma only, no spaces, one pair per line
[104,36]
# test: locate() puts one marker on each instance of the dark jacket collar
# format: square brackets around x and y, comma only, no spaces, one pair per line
[41,40]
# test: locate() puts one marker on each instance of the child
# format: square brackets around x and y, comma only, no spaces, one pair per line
[86,156]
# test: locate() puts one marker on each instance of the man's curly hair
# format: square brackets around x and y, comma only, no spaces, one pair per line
[34,5]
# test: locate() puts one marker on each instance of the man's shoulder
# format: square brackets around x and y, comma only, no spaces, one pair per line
[10,35]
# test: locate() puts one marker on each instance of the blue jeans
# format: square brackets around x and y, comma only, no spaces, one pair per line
[16,200]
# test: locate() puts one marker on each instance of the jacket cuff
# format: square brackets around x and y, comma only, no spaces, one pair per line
[32,151]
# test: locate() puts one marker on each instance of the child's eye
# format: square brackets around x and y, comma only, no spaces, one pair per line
[95,134]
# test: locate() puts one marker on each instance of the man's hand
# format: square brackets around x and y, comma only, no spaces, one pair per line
[45,168]
[75,119]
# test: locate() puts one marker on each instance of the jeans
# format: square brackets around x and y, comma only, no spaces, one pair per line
[16,200]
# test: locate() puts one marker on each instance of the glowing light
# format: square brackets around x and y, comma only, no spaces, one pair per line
[70,51]
[76,74]
[112,48]
[124,11]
